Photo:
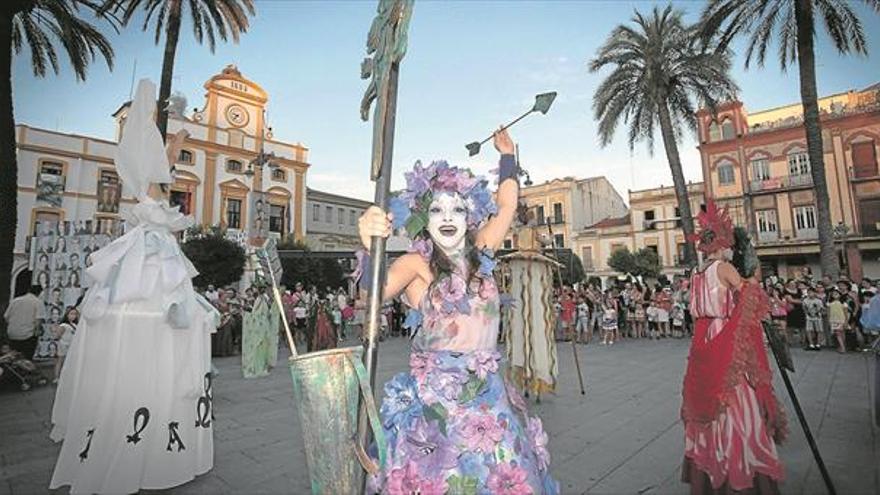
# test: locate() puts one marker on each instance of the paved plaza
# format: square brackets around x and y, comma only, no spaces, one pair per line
[623,437]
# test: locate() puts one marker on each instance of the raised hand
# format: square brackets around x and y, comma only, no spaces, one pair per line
[374,222]
[503,143]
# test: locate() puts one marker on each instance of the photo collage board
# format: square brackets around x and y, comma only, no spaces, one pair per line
[59,255]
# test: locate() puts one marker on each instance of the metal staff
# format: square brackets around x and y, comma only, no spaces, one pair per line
[784,363]
[577,359]
[386,42]
[542,104]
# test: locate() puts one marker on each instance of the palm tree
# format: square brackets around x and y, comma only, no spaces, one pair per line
[210,18]
[796,23]
[41,25]
[657,73]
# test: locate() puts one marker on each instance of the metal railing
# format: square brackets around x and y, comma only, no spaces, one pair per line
[784,182]
[781,236]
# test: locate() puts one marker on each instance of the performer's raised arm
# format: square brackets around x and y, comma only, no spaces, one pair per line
[492,234]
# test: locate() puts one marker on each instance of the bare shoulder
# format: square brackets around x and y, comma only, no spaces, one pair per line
[415,263]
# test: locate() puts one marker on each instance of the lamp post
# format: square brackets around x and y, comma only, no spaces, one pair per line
[841,231]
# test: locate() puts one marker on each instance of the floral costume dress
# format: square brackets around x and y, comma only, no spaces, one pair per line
[452,423]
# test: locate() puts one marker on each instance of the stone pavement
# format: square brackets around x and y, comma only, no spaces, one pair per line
[623,437]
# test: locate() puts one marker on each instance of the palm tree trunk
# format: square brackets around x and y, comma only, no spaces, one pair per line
[172,34]
[803,11]
[681,191]
[8,165]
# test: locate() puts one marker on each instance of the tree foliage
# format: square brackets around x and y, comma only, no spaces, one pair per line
[659,74]
[309,270]
[643,263]
[220,261]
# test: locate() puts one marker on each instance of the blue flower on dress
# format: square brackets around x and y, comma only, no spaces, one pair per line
[474,464]
[413,320]
[401,401]
[425,444]
[487,262]
[399,207]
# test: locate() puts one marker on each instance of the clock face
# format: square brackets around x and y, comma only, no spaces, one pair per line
[237,115]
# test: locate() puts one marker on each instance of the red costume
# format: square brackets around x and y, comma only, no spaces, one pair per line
[730,413]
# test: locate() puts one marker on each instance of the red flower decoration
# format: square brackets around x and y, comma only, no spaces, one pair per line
[716,229]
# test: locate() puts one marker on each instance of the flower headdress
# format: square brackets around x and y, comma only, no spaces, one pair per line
[410,207]
[716,229]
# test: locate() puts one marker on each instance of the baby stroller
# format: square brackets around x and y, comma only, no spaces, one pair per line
[13,365]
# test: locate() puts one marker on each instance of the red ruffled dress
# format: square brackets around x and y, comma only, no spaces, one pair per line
[730,413]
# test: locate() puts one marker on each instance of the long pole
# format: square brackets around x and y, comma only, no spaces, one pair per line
[800,414]
[577,359]
[377,259]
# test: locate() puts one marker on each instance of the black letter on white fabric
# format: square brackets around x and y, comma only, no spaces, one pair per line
[140,413]
[174,437]
[85,452]
[204,412]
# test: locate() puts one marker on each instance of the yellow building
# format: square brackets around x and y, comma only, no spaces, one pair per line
[652,222]
[566,206]
[72,178]
[757,165]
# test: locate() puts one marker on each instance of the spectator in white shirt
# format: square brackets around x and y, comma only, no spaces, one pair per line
[22,321]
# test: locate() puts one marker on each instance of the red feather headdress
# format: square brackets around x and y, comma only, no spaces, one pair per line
[716,229]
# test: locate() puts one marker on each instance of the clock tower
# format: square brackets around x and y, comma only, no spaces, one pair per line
[235,104]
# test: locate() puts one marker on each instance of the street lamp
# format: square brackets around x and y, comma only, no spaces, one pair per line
[841,231]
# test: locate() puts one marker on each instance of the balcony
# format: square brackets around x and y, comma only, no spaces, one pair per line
[784,236]
[780,183]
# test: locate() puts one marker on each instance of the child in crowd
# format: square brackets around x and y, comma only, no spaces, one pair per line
[837,317]
[641,320]
[651,312]
[568,316]
[609,321]
[813,308]
[584,332]
[677,320]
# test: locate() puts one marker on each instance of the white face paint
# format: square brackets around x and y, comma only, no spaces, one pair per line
[447,222]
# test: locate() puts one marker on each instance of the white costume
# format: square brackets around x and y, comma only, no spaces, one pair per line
[134,402]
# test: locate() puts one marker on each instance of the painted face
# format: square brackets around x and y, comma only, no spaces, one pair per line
[447,222]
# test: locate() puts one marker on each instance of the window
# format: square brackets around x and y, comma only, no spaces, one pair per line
[587,257]
[50,183]
[185,156]
[653,247]
[108,192]
[649,220]
[864,157]
[679,253]
[352,217]
[234,166]
[328,214]
[559,239]
[727,129]
[276,218]
[725,174]
[539,214]
[557,212]
[616,246]
[508,244]
[341,216]
[798,163]
[316,213]
[279,175]
[714,132]
[805,218]
[760,169]
[677,217]
[181,199]
[766,221]
[233,213]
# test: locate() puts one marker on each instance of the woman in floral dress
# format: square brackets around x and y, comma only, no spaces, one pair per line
[452,423]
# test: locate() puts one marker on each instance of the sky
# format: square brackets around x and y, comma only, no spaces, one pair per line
[470,66]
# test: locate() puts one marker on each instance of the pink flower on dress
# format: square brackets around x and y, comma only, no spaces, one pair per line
[516,398]
[481,432]
[482,363]
[539,440]
[509,479]
[407,480]
[421,365]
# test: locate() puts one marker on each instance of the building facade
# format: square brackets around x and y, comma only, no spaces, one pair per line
[653,222]
[564,207]
[757,166]
[70,177]
[331,221]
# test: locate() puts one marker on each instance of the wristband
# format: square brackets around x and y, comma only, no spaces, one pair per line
[507,168]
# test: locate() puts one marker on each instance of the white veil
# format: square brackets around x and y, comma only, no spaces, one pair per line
[140,156]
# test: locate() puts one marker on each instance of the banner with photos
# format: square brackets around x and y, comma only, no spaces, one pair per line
[59,256]
[50,188]
[259,216]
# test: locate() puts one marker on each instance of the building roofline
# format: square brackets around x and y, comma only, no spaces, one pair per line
[311,193]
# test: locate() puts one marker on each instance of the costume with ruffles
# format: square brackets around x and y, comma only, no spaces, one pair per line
[134,401]
[731,416]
